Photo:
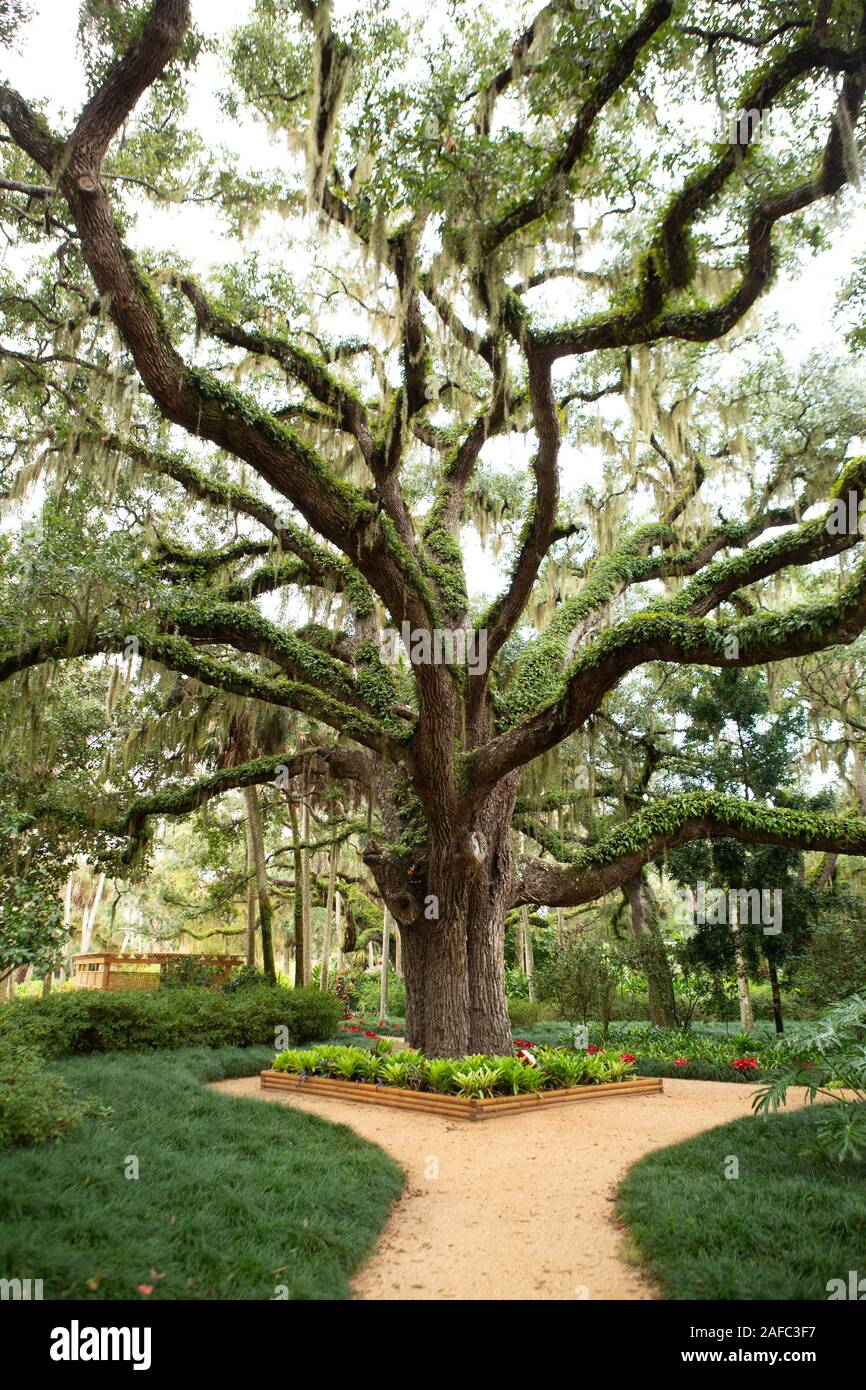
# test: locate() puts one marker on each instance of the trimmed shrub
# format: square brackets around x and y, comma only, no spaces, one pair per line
[246,977]
[35,1104]
[365,995]
[96,1021]
[695,1069]
[525,1012]
[187,971]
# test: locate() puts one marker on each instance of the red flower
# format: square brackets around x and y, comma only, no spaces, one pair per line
[681,1062]
[145,1288]
[369,1034]
[745,1064]
[627,1057]
[354,1029]
[592,1050]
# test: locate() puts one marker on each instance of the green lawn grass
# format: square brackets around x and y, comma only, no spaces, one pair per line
[781,1230]
[235,1197]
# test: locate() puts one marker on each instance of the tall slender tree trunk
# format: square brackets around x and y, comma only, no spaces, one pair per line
[89,919]
[251,897]
[777,997]
[305,890]
[254,822]
[338,930]
[329,914]
[298,904]
[660,984]
[386,961]
[528,954]
[747,1017]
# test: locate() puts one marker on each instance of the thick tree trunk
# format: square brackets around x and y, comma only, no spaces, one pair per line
[453,940]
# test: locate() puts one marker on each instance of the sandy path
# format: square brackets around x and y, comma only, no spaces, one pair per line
[519,1206]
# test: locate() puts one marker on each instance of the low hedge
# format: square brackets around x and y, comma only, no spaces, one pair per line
[85,1021]
[697,1069]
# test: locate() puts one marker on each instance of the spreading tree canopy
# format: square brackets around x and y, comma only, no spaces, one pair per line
[507,246]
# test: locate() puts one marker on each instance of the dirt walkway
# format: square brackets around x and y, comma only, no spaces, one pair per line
[520,1206]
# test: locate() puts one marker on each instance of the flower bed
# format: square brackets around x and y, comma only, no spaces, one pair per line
[673,1052]
[466,1087]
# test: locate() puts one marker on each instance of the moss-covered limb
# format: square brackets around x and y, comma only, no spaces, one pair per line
[414,346]
[554,184]
[811,541]
[178,654]
[666,636]
[654,313]
[504,613]
[178,799]
[244,628]
[200,402]
[199,563]
[282,573]
[328,568]
[334,836]
[29,130]
[61,645]
[538,672]
[343,404]
[649,833]
[675,258]
[546,838]
[687,492]
[462,455]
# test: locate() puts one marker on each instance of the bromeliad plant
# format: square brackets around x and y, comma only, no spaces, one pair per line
[551,1069]
[838,1042]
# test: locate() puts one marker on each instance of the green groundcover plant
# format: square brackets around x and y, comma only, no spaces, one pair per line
[236,1200]
[781,1230]
[83,1021]
[472,1076]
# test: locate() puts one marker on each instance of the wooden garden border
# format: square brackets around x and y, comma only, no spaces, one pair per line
[454,1107]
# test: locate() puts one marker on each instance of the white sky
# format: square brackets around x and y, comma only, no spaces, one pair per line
[45,66]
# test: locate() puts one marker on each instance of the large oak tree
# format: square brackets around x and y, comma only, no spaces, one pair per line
[459,193]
